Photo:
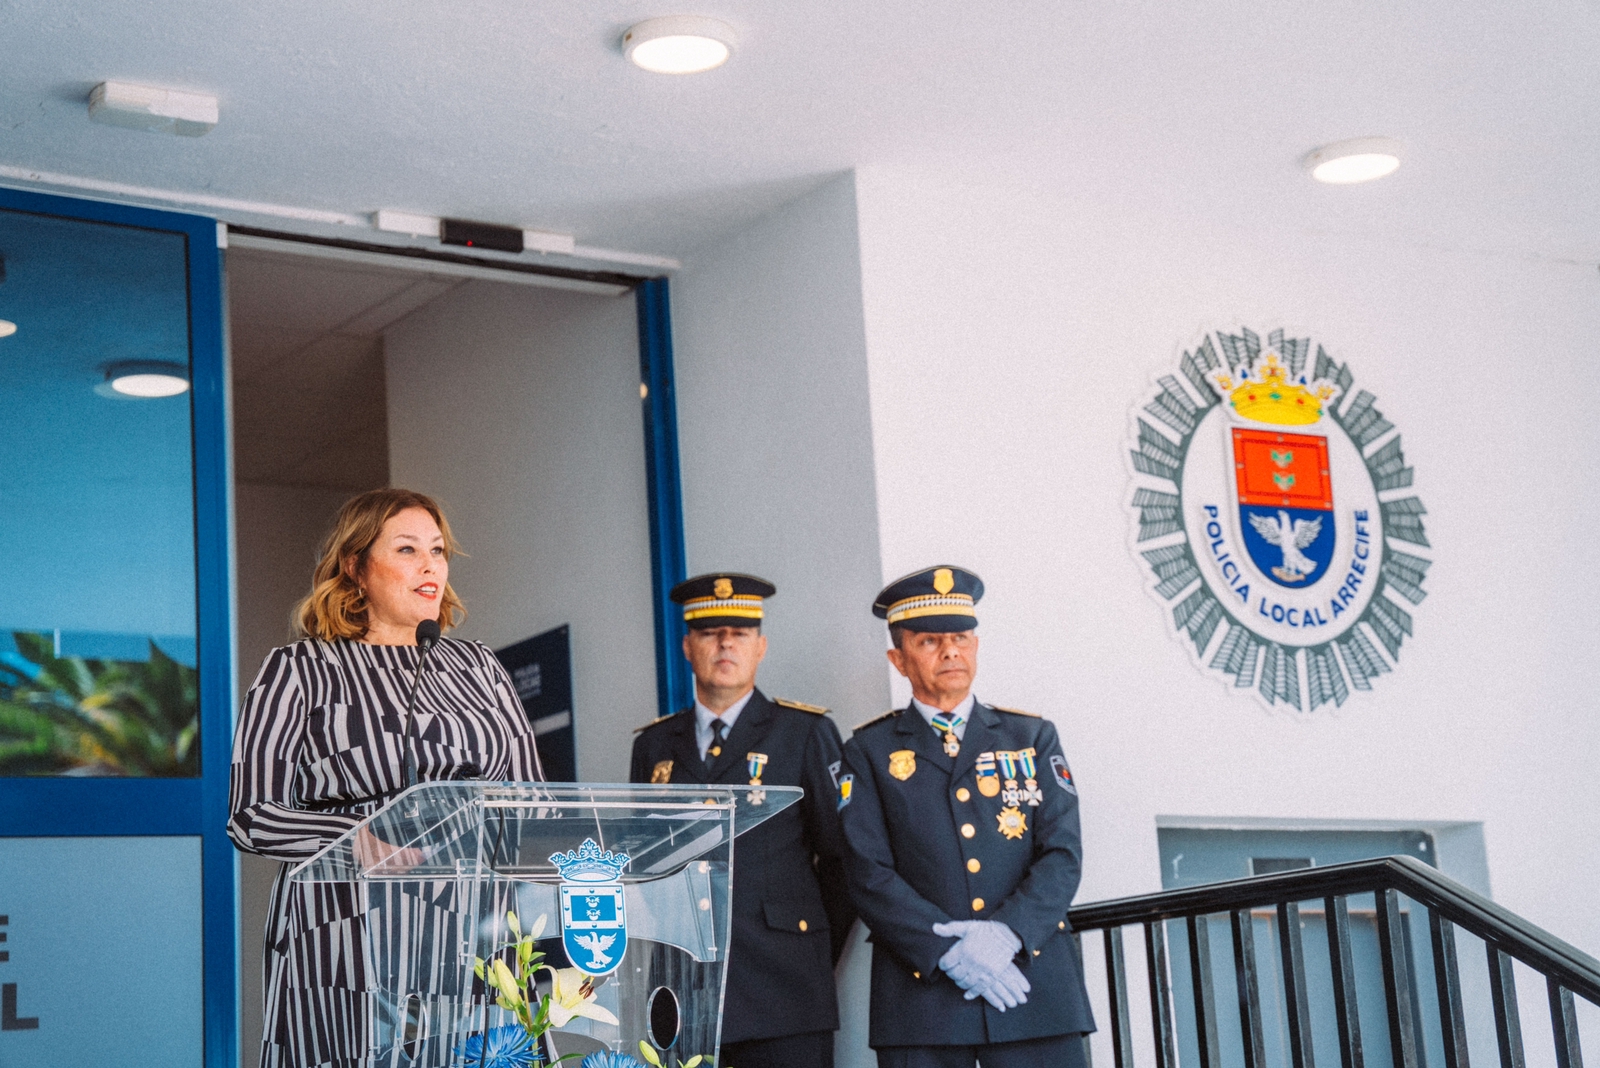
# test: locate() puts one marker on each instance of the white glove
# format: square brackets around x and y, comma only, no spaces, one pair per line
[981,963]
[1008,991]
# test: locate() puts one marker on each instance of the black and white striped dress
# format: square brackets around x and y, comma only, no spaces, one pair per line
[318,747]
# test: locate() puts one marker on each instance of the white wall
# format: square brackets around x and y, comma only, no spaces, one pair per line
[518,408]
[1011,331]
[775,441]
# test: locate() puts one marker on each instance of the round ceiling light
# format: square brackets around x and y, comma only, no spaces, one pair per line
[7,328]
[144,380]
[1359,160]
[679,44]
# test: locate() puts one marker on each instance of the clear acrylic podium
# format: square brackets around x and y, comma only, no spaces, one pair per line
[433,873]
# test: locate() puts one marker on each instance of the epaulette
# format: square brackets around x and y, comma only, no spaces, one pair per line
[815,710]
[876,719]
[1016,711]
[658,719]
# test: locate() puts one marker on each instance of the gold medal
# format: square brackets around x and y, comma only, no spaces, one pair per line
[1013,823]
[952,745]
[988,785]
[661,773]
[902,764]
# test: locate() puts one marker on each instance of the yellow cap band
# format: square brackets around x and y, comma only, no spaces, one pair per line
[743,607]
[949,604]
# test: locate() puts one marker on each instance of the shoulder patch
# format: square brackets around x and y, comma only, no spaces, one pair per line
[658,720]
[876,719]
[1016,711]
[816,710]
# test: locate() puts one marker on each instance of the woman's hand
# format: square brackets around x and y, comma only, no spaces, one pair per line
[374,854]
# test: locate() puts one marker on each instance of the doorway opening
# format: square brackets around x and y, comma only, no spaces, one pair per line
[513,401]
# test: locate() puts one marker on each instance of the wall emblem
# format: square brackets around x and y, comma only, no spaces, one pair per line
[594,922]
[1273,507]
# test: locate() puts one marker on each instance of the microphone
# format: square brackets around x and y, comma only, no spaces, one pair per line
[427,637]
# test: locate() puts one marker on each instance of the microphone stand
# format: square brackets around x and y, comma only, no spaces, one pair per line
[427,637]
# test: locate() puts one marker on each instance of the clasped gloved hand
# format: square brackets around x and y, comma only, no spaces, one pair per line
[982,963]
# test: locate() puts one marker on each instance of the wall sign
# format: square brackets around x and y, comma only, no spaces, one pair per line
[1273,507]
[541,669]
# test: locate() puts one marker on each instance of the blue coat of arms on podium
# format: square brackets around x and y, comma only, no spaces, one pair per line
[594,922]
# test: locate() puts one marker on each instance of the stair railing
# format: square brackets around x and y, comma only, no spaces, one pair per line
[1507,937]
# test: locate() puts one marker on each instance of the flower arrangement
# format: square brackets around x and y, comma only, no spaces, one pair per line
[516,991]
[651,1057]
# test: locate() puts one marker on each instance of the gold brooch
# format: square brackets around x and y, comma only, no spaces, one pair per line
[661,773]
[902,764]
[1012,822]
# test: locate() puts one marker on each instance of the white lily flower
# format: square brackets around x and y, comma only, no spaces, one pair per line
[571,995]
[538,927]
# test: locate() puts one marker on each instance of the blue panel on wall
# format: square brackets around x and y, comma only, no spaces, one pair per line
[101,961]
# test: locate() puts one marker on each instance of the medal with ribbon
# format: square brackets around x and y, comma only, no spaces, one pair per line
[1008,769]
[1030,777]
[946,723]
[988,781]
[757,763]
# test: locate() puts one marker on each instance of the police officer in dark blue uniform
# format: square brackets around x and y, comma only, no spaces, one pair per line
[961,820]
[791,911]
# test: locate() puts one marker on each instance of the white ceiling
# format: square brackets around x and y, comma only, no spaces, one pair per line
[524,112]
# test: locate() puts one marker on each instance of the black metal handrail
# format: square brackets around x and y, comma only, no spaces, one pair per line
[1568,971]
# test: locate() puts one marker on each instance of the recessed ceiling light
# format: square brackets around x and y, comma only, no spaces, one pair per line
[1358,160]
[7,328]
[679,44]
[144,380]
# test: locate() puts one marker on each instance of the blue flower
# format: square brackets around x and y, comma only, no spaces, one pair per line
[509,1047]
[606,1059]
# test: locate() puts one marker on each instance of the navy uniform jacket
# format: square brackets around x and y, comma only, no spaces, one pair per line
[927,848]
[791,912]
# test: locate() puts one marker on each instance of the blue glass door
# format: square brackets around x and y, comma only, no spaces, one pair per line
[117,911]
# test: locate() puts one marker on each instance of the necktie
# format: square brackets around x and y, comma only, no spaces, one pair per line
[946,723]
[719,731]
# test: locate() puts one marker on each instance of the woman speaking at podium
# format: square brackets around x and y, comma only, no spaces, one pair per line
[325,737]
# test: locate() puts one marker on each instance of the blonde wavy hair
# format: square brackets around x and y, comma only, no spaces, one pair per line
[336,608]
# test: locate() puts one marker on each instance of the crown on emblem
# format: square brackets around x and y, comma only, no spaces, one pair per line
[1270,395]
[589,864]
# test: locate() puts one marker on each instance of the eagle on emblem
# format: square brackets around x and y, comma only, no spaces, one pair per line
[597,944]
[1290,537]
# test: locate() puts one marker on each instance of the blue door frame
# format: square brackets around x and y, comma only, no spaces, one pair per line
[60,807]
[668,559]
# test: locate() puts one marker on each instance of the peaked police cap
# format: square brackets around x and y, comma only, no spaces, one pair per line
[722,599]
[936,599]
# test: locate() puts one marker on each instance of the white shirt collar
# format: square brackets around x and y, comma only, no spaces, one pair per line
[964,710]
[703,717]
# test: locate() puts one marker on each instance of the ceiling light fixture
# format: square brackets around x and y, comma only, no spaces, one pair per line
[1361,159]
[144,380]
[7,328]
[679,44]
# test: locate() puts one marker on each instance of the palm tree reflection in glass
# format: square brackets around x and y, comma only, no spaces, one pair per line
[67,715]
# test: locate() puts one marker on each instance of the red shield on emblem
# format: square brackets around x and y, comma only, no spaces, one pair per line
[1285,503]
